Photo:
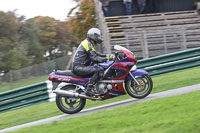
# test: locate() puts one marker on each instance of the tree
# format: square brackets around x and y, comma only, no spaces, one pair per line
[47,27]
[64,39]
[83,20]
[54,36]
[30,35]
[13,54]
[9,26]
[15,59]
[31,41]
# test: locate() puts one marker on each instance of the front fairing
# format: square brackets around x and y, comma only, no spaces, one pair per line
[105,65]
[129,55]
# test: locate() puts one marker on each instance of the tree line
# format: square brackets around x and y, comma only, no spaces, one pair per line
[39,39]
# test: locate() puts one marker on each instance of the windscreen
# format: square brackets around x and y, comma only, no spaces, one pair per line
[118,47]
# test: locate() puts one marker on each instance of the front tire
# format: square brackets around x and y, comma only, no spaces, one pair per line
[141,91]
[70,105]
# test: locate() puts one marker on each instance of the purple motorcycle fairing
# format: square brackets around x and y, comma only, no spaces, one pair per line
[139,72]
[105,65]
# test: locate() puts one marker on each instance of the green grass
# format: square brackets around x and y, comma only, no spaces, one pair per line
[45,110]
[22,83]
[178,114]
[176,79]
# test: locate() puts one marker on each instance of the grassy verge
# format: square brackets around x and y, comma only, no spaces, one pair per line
[178,114]
[176,79]
[164,82]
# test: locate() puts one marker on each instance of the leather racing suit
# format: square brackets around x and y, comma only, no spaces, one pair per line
[86,55]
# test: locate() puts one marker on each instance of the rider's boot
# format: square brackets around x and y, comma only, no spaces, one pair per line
[97,76]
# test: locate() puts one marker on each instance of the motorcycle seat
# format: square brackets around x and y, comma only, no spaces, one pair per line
[68,73]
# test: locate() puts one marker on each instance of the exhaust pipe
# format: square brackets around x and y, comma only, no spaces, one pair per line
[73,94]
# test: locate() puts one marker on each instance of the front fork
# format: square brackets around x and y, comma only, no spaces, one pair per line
[134,78]
[137,72]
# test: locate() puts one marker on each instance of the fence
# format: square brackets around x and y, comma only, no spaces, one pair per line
[34,71]
[38,93]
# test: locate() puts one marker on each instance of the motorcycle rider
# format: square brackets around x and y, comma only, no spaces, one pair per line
[85,55]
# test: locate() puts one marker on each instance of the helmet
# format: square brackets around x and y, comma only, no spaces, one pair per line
[95,35]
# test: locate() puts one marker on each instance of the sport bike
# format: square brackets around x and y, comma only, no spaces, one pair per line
[120,77]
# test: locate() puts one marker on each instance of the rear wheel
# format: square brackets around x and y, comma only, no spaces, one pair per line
[70,105]
[142,90]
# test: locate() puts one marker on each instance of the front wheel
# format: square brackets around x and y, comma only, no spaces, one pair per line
[139,91]
[69,105]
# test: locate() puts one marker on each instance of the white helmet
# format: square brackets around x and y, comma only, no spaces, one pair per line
[95,35]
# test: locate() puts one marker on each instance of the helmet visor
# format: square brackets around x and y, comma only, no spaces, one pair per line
[99,38]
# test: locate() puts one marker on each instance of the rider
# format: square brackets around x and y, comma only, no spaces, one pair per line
[86,55]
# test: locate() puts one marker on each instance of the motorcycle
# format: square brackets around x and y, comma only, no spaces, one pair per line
[120,77]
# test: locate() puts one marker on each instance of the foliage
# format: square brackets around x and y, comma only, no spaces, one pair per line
[13,54]
[27,42]
[83,20]
[30,33]
[14,60]
[53,36]
[47,38]
[33,41]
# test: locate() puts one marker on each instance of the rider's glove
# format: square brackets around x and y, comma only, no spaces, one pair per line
[110,57]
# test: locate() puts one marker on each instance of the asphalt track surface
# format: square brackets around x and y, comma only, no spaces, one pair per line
[107,106]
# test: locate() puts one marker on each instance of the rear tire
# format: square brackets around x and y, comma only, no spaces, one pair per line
[70,105]
[141,91]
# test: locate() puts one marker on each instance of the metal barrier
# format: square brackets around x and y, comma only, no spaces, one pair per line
[41,92]
[22,97]
[171,62]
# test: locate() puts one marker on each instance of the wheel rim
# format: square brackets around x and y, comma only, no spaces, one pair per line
[140,90]
[70,104]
